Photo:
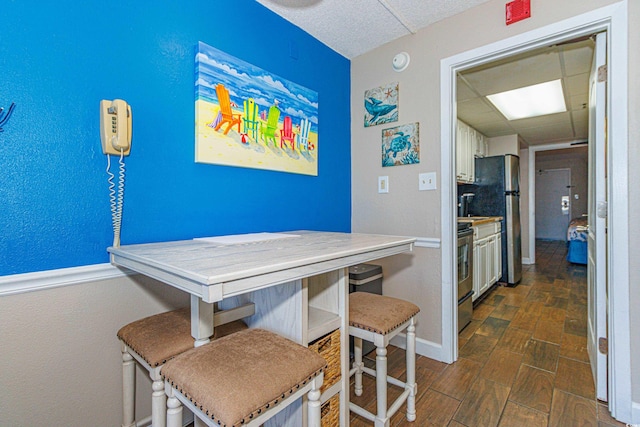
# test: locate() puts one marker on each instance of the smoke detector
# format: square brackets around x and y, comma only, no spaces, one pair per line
[401,61]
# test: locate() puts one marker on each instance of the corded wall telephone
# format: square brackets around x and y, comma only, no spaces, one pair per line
[115,127]
[115,134]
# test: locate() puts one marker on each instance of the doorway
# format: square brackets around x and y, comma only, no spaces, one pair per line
[613,20]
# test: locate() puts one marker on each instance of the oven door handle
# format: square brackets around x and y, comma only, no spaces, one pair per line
[466,297]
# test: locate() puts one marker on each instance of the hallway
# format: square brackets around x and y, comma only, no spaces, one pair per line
[522,360]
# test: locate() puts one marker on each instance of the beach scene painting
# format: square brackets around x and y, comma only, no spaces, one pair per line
[381,105]
[248,117]
[401,145]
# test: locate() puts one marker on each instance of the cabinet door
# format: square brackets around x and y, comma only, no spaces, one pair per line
[491,261]
[480,145]
[462,152]
[471,164]
[480,273]
[498,256]
[476,270]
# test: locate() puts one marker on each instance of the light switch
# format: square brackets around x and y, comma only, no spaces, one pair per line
[383,184]
[427,181]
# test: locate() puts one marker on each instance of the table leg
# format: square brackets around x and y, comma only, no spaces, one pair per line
[201,320]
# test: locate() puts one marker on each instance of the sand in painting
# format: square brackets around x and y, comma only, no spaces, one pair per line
[217,148]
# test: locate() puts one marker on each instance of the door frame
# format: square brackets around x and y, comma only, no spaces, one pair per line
[612,19]
[532,191]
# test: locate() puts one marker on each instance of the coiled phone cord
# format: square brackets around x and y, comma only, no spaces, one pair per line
[116,198]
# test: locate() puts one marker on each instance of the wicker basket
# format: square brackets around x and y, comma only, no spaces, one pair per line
[328,347]
[330,412]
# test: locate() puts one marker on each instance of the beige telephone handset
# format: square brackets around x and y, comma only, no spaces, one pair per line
[115,134]
[115,127]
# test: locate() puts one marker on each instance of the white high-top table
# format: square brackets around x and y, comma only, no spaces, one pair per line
[297,280]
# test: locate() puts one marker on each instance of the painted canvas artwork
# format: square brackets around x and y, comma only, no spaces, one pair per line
[248,117]
[381,105]
[401,145]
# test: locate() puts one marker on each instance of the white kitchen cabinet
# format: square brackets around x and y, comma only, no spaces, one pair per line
[463,152]
[487,254]
[480,145]
[479,268]
[469,144]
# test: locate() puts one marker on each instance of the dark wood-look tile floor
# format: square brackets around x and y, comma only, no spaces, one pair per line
[522,360]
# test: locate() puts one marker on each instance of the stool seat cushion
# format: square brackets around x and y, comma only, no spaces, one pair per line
[235,378]
[160,337]
[378,313]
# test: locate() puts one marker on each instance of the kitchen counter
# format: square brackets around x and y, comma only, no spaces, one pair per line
[478,220]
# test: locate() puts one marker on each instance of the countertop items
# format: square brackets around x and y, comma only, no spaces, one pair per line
[478,220]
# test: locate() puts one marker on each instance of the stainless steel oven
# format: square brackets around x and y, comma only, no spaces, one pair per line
[465,275]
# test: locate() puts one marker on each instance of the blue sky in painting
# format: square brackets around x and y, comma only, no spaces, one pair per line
[244,80]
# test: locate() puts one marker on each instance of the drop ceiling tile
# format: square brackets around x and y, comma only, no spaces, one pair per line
[540,121]
[546,134]
[579,102]
[577,57]
[476,119]
[492,129]
[582,132]
[463,91]
[536,69]
[478,105]
[576,85]
[580,115]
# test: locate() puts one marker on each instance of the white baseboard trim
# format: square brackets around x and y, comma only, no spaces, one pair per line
[423,347]
[526,261]
[40,280]
[427,242]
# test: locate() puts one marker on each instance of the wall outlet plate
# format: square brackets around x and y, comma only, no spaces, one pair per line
[427,181]
[383,184]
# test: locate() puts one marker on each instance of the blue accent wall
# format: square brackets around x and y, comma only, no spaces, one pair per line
[59,59]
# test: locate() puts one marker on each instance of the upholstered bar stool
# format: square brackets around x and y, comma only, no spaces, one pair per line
[378,318]
[151,342]
[243,379]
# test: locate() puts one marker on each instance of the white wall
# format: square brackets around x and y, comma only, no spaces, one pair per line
[60,360]
[405,210]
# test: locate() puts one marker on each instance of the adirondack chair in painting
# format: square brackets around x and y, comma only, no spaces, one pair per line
[268,128]
[286,133]
[228,116]
[251,120]
[303,137]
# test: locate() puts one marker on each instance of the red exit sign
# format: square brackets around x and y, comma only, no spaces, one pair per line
[517,10]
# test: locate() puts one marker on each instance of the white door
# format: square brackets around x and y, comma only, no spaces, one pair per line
[597,249]
[552,185]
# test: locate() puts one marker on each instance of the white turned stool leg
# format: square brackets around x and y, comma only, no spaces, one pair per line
[313,403]
[128,389]
[381,387]
[357,357]
[158,403]
[174,409]
[411,371]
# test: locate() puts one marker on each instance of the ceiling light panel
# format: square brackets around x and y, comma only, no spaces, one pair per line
[530,101]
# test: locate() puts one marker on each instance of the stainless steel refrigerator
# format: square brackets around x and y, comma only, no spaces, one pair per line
[497,193]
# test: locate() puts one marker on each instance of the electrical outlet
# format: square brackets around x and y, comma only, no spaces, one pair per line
[383,184]
[427,181]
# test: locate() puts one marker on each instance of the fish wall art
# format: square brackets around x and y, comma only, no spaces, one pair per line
[381,105]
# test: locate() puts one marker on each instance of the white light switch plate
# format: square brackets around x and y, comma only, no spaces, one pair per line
[383,184]
[427,181]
